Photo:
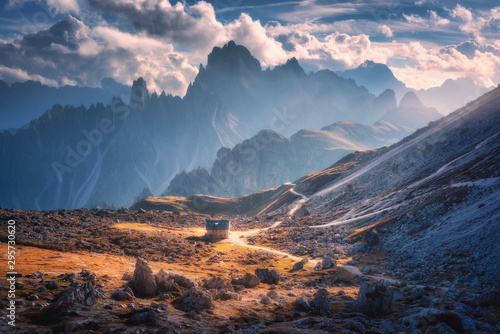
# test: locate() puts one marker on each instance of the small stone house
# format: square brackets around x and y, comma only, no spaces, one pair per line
[217,229]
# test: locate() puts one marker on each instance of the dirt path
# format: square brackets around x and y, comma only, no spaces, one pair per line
[240,238]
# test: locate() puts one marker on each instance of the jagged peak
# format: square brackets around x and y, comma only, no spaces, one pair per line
[232,57]
[292,65]
[411,100]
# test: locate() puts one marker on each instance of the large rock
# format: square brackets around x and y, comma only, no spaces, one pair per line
[183,281]
[328,262]
[298,265]
[320,302]
[370,238]
[168,281]
[143,282]
[122,294]
[248,280]
[267,276]
[216,283]
[165,281]
[77,293]
[490,298]
[195,299]
[373,299]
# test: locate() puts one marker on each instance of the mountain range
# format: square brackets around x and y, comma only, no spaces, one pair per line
[75,157]
[21,103]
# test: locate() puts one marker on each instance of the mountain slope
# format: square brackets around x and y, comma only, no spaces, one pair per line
[433,197]
[270,159]
[75,157]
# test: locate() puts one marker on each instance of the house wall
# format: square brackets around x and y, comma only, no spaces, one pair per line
[218,234]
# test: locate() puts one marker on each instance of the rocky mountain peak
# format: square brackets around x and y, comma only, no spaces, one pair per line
[411,100]
[292,66]
[232,58]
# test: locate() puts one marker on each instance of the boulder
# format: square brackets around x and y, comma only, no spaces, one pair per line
[143,282]
[373,299]
[301,304]
[165,281]
[77,292]
[216,283]
[320,302]
[489,298]
[298,265]
[370,238]
[195,299]
[328,262]
[267,276]
[184,281]
[122,294]
[248,281]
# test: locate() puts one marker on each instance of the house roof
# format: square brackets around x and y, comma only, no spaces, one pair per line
[217,224]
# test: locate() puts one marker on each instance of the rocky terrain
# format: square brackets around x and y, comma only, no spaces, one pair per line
[151,272]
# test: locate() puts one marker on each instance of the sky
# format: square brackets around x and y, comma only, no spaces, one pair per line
[79,42]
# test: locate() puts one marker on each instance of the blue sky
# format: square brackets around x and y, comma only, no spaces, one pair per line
[81,41]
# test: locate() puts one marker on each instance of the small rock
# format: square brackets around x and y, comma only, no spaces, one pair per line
[373,299]
[370,238]
[267,276]
[265,300]
[193,315]
[51,285]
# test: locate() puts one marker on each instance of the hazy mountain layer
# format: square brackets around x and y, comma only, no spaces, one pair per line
[411,113]
[21,103]
[269,159]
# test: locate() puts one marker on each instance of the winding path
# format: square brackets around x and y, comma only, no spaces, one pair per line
[240,238]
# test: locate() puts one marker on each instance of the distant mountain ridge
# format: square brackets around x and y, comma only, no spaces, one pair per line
[411,112]
[376,77]
[21,103]
[269,159]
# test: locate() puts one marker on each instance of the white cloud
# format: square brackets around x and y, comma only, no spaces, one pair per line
[253,36]
[433,66]
[71,52]
[418,22]
[11,75]
[386,30]
[193,27]
[475,24]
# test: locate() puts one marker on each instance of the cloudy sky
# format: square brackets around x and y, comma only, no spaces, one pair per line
[79,42]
